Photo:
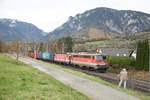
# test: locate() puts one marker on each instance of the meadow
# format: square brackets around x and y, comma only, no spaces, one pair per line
[19,81]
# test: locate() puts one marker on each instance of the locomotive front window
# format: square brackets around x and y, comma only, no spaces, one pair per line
[98,57]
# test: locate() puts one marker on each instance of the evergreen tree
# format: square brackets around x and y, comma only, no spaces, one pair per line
[42,49]
[69,42]
[142,59]
[138,55]
[146,57]
[65,44]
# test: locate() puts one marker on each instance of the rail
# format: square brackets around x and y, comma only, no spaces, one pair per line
[133,83]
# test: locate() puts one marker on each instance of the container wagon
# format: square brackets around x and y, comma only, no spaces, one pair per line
[49,56]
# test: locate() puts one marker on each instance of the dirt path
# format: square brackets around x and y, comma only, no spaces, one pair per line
[93,90]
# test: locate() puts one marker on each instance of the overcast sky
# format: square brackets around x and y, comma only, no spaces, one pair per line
[49,14]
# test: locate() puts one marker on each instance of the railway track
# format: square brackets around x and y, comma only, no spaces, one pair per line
[133,83]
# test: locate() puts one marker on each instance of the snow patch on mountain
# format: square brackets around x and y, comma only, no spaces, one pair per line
[131,21]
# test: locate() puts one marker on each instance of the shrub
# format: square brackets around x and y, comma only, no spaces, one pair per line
[121,61]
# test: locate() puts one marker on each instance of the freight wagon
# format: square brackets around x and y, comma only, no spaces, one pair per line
[47,56]
[62,58]
[31,54]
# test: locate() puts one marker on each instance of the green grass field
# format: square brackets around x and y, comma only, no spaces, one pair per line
[91,46]
[96,43]
[102,43]
[22,82]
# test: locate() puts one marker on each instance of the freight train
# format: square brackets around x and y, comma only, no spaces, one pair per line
[91,61]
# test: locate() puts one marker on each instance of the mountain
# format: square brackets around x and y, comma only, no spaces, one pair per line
[103,23]
[10,29]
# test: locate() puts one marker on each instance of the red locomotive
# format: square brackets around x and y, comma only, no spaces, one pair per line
[84,60]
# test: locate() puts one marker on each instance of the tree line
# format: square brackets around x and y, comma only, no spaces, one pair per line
[18,46]
[62,45]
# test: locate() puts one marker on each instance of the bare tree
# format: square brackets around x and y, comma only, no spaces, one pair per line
[17,44]
[17,49]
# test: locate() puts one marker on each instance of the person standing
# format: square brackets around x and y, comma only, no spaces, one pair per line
[123,76]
